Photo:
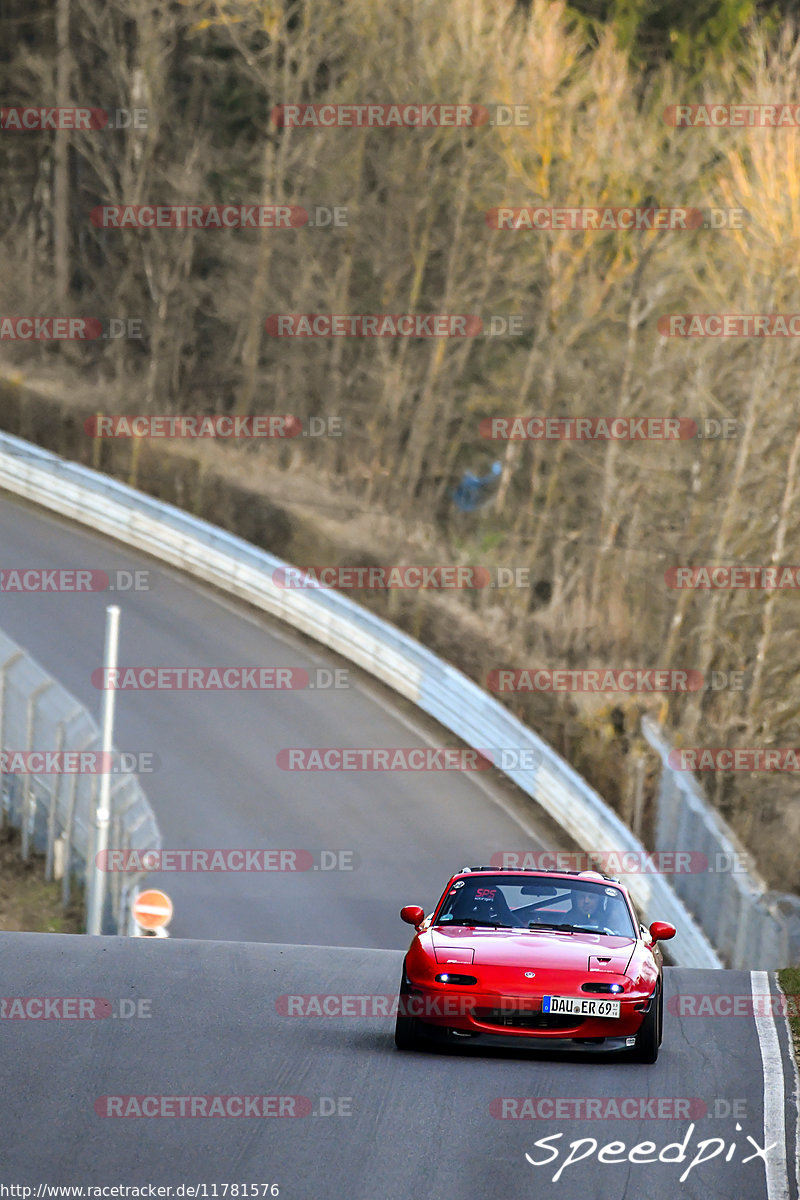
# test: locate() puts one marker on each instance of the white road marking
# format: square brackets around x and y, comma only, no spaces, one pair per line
[775,1167]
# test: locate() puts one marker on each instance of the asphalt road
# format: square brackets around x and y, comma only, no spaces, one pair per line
[400,1125]
[218,783]
[211,1018]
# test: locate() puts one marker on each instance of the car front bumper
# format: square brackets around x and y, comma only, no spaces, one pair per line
[455,1013]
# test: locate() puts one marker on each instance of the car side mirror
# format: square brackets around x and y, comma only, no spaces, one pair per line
[412,914]
[662,931]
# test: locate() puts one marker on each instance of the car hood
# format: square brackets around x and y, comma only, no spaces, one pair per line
[511,947]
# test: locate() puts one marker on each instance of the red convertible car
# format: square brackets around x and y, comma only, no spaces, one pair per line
[553,960]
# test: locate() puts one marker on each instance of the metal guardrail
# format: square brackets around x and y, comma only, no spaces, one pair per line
[55,812]
[750,926]
[236,567]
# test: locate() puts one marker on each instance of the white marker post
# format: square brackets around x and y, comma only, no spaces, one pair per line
[102,818]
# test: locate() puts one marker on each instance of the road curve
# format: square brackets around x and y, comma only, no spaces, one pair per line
[209,1014]
[218,784]
[401,1125]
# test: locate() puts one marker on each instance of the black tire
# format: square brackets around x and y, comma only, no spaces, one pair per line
[406,1036]
[648,1038]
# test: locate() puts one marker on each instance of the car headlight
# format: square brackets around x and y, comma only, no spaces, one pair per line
[448,978]
[602,988]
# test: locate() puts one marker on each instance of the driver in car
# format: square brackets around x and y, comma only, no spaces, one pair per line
[588,908]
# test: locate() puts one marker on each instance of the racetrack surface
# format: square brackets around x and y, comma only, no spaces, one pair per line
[402,1124]
[213,1015]
[218,783]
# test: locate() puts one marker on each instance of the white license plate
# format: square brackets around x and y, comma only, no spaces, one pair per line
[573,1006]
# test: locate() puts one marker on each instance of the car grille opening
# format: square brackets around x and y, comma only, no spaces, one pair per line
[525,1019]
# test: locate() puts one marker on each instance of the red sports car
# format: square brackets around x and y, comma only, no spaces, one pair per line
[551,960]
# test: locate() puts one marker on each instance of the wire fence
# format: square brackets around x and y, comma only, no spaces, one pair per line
[43,727]
[750,926]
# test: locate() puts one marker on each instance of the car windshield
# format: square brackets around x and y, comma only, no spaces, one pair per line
[525,902]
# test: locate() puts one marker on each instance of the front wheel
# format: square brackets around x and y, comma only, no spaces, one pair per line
[405,1035]
[648,1038]
[405,1029]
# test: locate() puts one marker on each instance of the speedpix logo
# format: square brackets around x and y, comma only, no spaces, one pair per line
[617,1153]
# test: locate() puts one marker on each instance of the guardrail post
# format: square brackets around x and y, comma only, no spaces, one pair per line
[3,684]
[51,816]
[28,803]
[96,877]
